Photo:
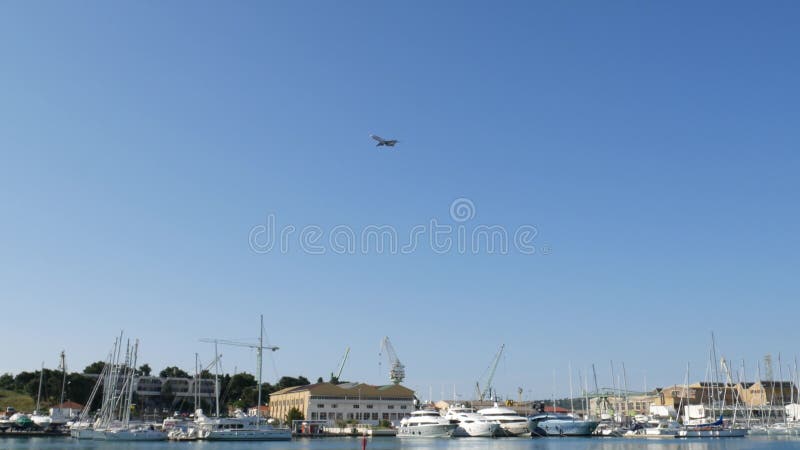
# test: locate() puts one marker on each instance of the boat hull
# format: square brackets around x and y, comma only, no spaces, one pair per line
[426,431]
[712,433]
[132,435]
[82,433]
[564,428]
[477,430]
[248,435]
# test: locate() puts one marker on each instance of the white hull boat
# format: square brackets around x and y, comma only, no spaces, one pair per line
[425,423]
[511,423]
[470,423]
[239,428]
[133,434]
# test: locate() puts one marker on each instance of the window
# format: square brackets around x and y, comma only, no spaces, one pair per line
[320,405]
[323,416]
[385,416]
[402,406]
[374,416]
[356,406]
[349,416]
[390,407]
[369,406]
[313,416]
[338,416]
[334,405]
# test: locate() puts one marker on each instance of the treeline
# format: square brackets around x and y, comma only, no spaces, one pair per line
[238,390]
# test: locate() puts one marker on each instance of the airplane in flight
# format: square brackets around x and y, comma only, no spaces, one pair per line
[383,142]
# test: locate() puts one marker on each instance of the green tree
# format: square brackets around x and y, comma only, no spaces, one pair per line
[285,382]
[94,368]
[23,379]
[6,381]
[236,388]
[174,372]
[294,414]
[79,387]
[144,370]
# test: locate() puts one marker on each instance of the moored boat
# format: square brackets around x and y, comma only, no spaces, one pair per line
[470,423]
[426,423]
[560,425]
[511,423]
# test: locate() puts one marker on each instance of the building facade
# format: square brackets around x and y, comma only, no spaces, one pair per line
[349,402]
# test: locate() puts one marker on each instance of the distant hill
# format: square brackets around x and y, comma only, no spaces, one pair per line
[20,402]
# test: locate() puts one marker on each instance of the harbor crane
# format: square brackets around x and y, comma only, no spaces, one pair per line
[335,378]
[397,371]
[488,388]
[259,347]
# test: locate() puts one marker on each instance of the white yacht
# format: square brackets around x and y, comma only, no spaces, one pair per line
[511,423]
[132,433]
[425,423]
[655,429]
[470,423]
[42,421]
[241,427]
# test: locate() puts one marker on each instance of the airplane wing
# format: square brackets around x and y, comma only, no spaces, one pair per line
[377,138]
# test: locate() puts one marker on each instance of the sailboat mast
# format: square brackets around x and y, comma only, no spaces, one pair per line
[63,376]
[196,382]
[131,373]
[780,376]
[571,401]
[39,395]
[614,392]
[259,355]
[216,376]
[625,392]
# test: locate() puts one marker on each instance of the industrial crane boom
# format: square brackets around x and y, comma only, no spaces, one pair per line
[397,371]
[487,390]
[341,366]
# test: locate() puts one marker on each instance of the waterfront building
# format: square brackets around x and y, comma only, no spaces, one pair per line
[750,394]
[618,406]
[152,389]
[67,409]
[768,393]
[358,402]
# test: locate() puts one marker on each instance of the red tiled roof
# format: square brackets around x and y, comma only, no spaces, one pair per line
[556,409]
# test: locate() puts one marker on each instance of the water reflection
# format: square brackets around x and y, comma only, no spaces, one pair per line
[752,443]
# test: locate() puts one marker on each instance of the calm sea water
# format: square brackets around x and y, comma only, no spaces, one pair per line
[751,443]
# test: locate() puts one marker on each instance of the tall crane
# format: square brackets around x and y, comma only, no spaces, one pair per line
[397,371]
[259,347]
[487,389]
[335,378]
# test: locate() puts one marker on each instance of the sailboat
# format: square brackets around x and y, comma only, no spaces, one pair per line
[124,430]
[242,427]
[717,428]
[42,421]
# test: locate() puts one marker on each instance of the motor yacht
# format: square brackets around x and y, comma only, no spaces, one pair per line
[241,427]
[560,425]
[426,423]
[470,423]
[511,423]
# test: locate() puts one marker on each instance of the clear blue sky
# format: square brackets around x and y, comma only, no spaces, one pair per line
[654,145]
